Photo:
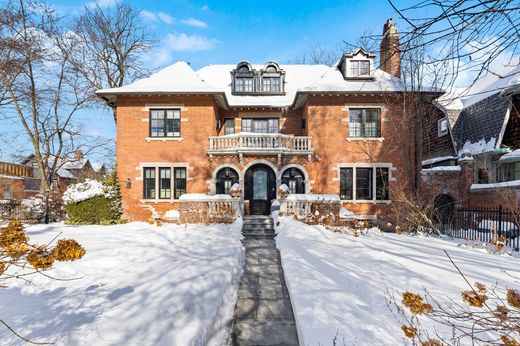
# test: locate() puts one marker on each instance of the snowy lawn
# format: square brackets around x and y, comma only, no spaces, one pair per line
[137,285]
[337,281]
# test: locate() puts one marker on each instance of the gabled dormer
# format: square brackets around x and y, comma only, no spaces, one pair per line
[269,80]
[358,64]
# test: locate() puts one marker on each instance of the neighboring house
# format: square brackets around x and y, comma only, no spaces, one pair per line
[318,129]
[17,181]
[471,151]
[22,180]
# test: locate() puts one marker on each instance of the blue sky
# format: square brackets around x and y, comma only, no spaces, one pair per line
[212,32]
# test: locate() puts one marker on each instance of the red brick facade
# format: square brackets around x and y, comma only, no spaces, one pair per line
[326,123]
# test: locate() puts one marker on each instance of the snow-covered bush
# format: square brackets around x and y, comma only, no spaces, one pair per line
[283,191]
[235,190]
[94,202]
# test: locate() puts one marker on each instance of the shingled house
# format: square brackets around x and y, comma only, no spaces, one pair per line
[471,152]
[315,128]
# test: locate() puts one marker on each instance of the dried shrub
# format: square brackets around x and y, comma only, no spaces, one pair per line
[409,331]
[40,258]
[508,341]
[513,298]
[431,342]
[476,298]
[416,304]
[68,250]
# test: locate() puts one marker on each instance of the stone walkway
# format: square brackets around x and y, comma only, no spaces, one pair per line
[263,313]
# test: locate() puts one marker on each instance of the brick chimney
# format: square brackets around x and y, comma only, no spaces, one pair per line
[78,154]
[390,58]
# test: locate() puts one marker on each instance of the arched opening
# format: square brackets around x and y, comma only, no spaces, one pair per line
[294,179]
[444,209]
[225,179]
[259,188]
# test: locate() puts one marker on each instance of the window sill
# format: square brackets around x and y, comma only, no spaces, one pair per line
[367,201]
[364,139]
[163,139]
[158,200]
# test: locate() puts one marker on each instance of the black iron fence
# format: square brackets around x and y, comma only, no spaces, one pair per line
[484,224]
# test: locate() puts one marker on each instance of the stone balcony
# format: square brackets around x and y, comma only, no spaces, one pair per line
[260,144]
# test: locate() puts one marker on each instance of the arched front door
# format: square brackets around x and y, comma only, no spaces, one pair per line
[260,189]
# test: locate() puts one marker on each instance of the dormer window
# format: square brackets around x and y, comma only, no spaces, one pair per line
[266,81]
[359,68]
[357,64]
[244,84]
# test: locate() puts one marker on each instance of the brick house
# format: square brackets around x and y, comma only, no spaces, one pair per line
[471,150]
[317,129]
[22,180]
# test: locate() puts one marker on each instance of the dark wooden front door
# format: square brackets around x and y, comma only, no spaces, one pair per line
[260,189]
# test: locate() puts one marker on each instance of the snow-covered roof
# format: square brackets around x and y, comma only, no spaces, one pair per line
[97,166]
[510,157]
[216,79]
[494,82]
[333,80]
[296,78]
[178,77]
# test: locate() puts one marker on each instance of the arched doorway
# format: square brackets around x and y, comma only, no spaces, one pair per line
[225,179]
[444,209]
[259,189]
[294,179]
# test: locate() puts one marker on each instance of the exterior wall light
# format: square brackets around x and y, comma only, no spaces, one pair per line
[128,183]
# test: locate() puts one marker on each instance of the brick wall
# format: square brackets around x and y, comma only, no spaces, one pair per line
[327,123]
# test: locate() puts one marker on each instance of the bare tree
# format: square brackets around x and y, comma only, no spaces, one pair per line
[44,91]
[466,35]
[114,46]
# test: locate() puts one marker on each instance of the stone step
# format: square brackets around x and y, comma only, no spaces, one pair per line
[257,227]
[258,232]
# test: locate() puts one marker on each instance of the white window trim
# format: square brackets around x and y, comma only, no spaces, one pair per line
[365,165]
[439,132]
[158,165]
[381,107]
[163,139]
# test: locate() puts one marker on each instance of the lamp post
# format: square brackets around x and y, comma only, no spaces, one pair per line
[46,214]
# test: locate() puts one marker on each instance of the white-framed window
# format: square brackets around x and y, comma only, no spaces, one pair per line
[165,123]
[163,183]
[229,126]
[442,127]
[243,84]
[364,122]
[364,183]
[271,84]
[359,68]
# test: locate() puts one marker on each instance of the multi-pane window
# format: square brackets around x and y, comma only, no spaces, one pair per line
[271,84]
[382,183]
[180,181]
[364,122]
[243,84]
[364,183]
[442,127]
[164,179]
[261,125]
[359,184]
[229,126]
[346,183]
[510,171]
[359,68]
[149,182]
[294,179]
[165,183]
[165,123]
